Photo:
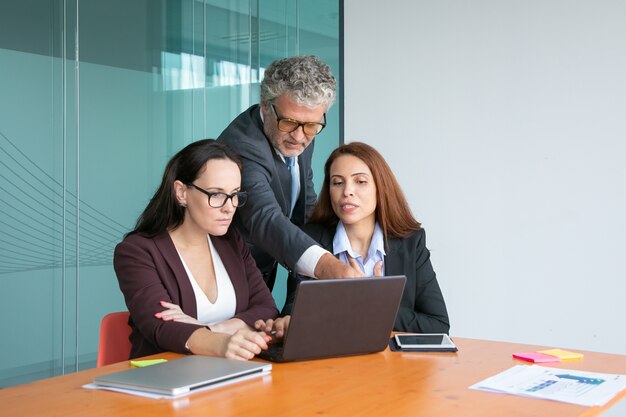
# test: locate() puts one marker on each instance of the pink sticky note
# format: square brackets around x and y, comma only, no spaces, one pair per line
[535,357]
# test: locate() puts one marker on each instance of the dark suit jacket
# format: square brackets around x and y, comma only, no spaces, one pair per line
[149,270]
[263,220]
[422,308]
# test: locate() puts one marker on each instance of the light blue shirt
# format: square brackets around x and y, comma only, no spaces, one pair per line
[375,253]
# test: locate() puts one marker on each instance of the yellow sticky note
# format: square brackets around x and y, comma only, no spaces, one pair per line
[146,362]
[562,354]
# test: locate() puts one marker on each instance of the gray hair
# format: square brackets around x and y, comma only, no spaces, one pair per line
[306,79]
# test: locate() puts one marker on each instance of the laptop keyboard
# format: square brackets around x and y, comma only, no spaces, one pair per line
[274,351]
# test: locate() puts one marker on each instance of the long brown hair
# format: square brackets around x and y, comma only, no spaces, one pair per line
[392,210]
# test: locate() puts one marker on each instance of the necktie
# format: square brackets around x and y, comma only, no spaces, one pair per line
[295,180]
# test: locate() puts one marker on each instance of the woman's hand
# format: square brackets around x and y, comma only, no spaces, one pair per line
[378,269]
[174,313]
[276,328]
[244,344]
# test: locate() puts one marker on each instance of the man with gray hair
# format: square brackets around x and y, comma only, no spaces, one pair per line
[275,140]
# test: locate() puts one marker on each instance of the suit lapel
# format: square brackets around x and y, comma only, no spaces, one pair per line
[393,260]
[266,157]
[326,238]
[233,264]
[304,164]
[281,187]
[298,210]
[187,297]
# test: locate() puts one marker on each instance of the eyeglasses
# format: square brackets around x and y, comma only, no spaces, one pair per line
[218,199]
[291,125]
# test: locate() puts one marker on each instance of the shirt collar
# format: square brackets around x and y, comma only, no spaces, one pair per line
[341,243]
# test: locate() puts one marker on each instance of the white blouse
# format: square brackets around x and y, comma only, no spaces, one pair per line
[226,302]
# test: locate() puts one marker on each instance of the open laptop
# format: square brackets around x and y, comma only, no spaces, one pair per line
[339,317]
[181,376]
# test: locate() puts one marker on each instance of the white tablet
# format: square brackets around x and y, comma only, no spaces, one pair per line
[424,341]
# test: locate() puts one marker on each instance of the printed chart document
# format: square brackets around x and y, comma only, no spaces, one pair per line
[566,385]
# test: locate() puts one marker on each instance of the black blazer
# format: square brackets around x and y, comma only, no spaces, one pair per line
[422,308]
[264,219]
[149,270]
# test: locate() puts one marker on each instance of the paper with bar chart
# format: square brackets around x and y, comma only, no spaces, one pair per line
[566,385]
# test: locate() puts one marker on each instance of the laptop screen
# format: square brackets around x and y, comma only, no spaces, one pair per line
[341,317]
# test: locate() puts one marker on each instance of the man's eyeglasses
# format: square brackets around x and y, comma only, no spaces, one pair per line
[290,125]
[218,199]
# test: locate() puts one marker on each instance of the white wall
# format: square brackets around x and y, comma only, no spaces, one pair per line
[505,122]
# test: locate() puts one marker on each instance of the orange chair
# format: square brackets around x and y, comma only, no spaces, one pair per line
[114,345]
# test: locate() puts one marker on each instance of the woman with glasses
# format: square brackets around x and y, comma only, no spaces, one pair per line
[190,283]
[363,218]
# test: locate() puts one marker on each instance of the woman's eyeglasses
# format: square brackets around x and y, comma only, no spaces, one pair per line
[218,199]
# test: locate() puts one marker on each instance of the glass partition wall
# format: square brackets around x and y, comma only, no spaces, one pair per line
[95,97]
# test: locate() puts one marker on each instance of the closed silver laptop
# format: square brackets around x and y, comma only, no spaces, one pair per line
[180,376]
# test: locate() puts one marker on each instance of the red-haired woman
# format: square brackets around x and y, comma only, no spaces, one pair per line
[363,218]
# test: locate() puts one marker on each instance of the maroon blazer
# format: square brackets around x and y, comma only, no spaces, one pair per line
[149,270]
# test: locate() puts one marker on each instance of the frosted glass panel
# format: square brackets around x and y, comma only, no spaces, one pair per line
[83,146]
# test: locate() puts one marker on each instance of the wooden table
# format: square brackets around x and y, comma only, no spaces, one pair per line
[387,383]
